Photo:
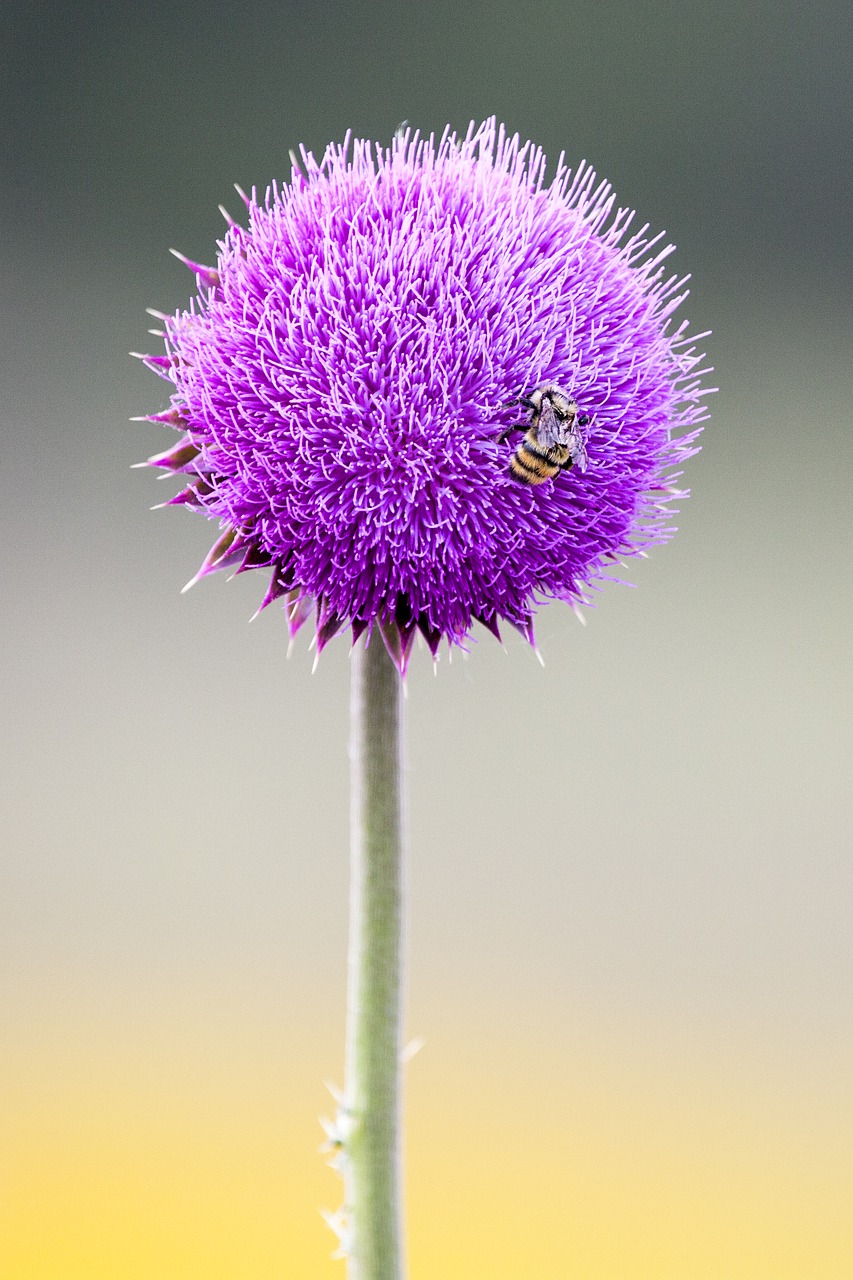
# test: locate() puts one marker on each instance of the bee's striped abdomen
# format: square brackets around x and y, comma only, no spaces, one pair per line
[531,464]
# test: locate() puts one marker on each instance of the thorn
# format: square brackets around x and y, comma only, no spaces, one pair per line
[539,656]
[171,418]
[393,642]
[358,630]
[491,624]
[208,274]
[408,1051]
[227,216]
[182,257]
[241,193]
[163,362]
[297,611]
[176,458]
[337,1131]
[329,1128]
[338,1223]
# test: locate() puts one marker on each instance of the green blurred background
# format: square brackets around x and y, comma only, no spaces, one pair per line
[636,1000]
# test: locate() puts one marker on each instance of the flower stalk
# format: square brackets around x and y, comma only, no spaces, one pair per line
[370,1125]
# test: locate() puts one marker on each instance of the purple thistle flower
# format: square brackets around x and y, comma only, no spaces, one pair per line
[346,379]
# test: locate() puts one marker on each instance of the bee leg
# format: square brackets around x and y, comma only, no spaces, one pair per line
[507,432]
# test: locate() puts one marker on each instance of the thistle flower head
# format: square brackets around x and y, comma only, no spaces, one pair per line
[354,378]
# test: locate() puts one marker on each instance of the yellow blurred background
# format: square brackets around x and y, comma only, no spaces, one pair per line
[548,1156]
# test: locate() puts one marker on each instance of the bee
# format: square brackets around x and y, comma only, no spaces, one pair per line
[553,439]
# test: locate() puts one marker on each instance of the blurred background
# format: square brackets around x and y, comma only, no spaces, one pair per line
[636,1001]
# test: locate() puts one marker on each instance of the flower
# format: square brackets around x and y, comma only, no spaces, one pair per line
[345,378]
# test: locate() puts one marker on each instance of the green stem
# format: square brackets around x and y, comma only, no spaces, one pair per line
[372,1164]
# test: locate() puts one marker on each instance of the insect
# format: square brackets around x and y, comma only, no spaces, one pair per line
[553,439]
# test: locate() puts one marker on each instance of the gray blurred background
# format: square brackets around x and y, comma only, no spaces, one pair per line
[174,795]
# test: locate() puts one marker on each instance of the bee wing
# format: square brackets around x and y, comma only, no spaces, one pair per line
[577,450]
[549,429]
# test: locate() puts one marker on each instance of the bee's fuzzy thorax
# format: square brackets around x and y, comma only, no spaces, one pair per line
[341,379]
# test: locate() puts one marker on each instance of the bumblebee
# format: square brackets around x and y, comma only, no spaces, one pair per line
[553,439]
